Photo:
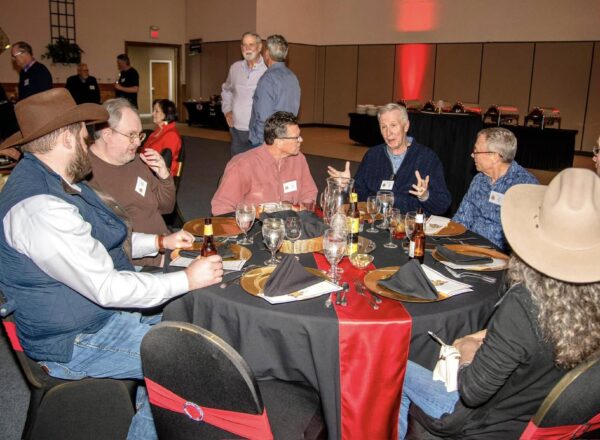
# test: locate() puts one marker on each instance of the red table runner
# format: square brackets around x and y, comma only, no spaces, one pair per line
[373,349]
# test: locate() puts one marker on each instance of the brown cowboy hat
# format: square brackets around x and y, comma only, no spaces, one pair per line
[47,111]
[556,228]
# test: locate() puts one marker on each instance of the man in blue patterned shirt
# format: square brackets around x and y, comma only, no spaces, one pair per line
[493,154]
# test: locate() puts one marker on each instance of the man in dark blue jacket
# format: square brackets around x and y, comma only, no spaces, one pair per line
[412,171]
[34,77]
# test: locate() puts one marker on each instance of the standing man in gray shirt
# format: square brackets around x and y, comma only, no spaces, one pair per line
[277,90]
[237,91]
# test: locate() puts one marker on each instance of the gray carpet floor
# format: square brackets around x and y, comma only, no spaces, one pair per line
[204,163]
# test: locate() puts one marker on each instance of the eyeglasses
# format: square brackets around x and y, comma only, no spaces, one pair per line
[133,136]
[483,152]
[296,138]
[596,150]
[17,54]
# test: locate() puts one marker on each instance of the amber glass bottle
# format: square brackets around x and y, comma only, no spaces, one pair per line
[208,245]
[417,243]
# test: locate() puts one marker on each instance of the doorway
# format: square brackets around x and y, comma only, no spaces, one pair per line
[158,65]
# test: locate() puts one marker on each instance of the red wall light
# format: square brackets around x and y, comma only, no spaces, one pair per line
[154,31]
[416,15]
[412,65]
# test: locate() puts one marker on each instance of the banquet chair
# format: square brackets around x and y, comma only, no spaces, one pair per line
[572,409]
[175,219]
[200,387]
[62,409]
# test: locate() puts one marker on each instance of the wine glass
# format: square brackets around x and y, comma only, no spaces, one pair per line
[373,208]
[393,215]
[409,224]
[386,198]
[273,231]
[293,231]
[245,214]
[334,248]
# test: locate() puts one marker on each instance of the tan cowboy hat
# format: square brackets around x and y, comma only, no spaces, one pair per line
[556,228]
[47,111]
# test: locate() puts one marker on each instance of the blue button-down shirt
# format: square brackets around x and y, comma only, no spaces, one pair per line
[277,90]
[480,215]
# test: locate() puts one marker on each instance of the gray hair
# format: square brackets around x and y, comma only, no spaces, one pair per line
[115,108]
[24,46]
[501,141]
[277,47]
[392,106]
[251,34]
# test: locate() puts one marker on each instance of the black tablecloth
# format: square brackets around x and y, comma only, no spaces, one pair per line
[451,135]
[299,341]
[206,114]
[548,149]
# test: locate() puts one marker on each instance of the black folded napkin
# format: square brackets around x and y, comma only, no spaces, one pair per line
[457,258]
[224,251]
[411,280]
[279,214]
[312,225]
[289,276]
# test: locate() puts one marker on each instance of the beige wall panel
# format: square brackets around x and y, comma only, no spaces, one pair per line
[214,68]
[234,53]
[193,72]
[592,120]
[340,84]
[414,72]
[375,74]
[218,20]
[561,74]
[320,84]
[506,76]
[302,60]
[457,72]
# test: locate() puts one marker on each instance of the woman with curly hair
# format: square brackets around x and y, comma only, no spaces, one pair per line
[165,138]
[547,323]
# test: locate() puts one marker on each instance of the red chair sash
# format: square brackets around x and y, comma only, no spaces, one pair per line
[11,331]
[533,432]
[246,425]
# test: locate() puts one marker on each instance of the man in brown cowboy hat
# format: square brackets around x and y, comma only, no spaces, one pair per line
[63,267]
[547,323]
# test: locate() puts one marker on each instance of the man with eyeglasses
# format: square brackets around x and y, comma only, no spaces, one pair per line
[83,87]
[237,91]
[274,172]
[34,77]
[140,183]
[479,211]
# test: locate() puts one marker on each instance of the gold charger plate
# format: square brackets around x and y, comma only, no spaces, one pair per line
[376,275]
[254,280]
[476,251]
[239,252]
[452,229]
[222,227]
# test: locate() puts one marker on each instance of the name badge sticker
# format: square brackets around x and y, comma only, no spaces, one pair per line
[92,87]
[290,186]
[26,82]
[140,186]
[387,184]
[496,198]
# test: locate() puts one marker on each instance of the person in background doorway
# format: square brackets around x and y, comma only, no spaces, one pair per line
[128,83]
[83,87]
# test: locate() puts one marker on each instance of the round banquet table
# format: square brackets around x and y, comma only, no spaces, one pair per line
[300,341]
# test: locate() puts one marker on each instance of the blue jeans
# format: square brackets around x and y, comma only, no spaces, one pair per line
[428,394]
[239,141]
[114,352]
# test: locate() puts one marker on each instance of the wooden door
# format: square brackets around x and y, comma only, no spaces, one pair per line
[160,80]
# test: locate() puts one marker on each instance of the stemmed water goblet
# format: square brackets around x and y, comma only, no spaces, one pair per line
[293,231]
[373,207]
[245,214]
[334,248]
[393,216]
[386,198]
[273,231]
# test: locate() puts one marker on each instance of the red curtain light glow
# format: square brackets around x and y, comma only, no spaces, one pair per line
[412,62]
[416,15]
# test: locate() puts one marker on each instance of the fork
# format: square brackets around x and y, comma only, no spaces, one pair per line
[456,274]
[359,289]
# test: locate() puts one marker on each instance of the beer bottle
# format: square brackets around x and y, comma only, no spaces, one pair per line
[208,245]
[417,243]
[353,224]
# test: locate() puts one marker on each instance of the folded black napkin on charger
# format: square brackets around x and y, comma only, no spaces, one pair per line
[411,280]
[279,214]
[312,225]
[289,276]
[465,260]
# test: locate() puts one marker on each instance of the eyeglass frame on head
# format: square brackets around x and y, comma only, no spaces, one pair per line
[132,137]
[14,57]
[485,152]
[296,138]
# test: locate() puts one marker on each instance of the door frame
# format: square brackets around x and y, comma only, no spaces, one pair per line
[177,79]
[170,78]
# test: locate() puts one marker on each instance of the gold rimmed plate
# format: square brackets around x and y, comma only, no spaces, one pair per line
[254,280]
[222,227]
[450,230]
[373,277]
[239,252]
[500,260]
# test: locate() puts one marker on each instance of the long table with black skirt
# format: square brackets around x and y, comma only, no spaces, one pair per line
[353,356]
[451,135]
[206,113]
